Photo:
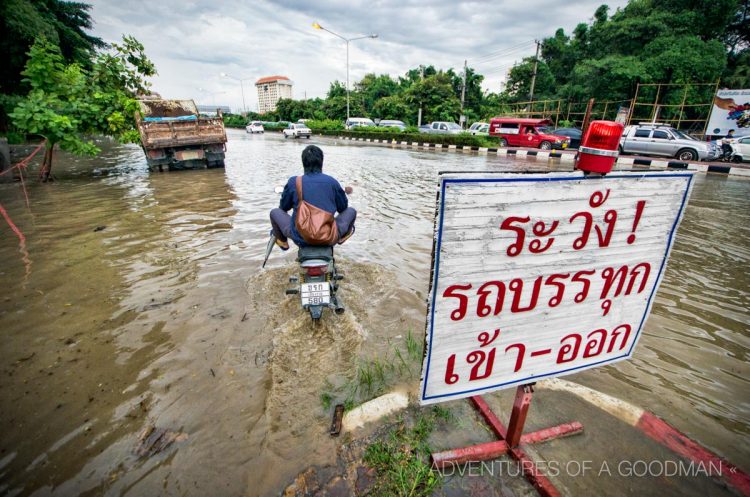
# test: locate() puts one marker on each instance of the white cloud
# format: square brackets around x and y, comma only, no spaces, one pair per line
[192,42]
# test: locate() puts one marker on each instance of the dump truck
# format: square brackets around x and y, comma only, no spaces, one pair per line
[174,135]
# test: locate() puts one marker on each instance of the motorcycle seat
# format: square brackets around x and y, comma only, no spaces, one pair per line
[315,252]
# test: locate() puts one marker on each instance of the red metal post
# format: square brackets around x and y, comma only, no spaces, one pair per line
[472,453]
[518,414]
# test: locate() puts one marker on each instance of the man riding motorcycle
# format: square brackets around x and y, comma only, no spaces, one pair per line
[321,192]
[726,145]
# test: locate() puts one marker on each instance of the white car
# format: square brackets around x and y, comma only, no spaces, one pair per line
[741,149]
[482,129]
[296,130]
[254,127]
[355,122]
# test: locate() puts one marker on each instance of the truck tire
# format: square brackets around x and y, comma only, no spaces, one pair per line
[687,154]
[503,142]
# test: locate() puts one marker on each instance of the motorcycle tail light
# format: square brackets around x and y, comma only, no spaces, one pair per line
[316,270]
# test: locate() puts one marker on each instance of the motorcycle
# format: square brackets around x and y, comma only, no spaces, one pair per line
[730,153]
[318,281]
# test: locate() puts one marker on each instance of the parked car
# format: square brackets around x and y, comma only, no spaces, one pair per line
[573,133]
[522,132]
[480,129]
[296,130]
[392,123]
[742,149]
[664,140]
[354,122]
[441,127]
[254,127]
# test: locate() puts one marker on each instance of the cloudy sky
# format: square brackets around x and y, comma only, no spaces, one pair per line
[193,41]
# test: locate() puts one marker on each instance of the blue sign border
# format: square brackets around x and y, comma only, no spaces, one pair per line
[436,272]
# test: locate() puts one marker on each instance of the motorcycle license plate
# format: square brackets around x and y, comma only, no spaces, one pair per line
[315,293]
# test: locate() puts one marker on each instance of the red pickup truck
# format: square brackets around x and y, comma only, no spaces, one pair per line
[520,132]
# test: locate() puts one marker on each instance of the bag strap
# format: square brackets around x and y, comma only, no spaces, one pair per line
[299,188]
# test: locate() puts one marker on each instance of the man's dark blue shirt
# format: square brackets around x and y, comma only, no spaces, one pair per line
[318,189]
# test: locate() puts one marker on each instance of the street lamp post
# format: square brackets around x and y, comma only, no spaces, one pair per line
[242,87]
[347,40]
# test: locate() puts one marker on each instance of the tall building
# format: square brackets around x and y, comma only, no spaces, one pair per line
[270,90]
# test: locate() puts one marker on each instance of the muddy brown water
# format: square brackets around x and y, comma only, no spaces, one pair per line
[163,317]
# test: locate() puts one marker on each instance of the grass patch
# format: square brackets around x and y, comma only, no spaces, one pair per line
[373,377]
[402,458]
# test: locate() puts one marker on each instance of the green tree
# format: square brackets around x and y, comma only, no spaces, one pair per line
[336,89]
[647,41]
[435,94]
[371,88]
[518,85]
[67,103]
[394,107]
[21,22]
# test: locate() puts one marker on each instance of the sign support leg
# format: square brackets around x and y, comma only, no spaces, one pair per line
[511,441]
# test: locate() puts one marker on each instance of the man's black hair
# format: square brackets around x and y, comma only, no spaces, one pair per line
[731,131]
[312,159]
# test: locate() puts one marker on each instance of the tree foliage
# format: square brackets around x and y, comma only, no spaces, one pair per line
[67,103]
[21,22]
[647,41]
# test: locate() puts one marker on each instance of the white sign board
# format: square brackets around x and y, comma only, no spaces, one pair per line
[542,275]
[731,110]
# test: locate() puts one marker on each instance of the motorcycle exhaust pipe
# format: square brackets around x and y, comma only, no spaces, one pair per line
[339,307]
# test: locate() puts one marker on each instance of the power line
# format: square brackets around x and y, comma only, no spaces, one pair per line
[504,51]
[513,52]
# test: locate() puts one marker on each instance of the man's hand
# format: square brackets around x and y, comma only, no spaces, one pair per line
[349,190]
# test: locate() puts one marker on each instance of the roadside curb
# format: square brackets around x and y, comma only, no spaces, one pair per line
[656,429]
[544,155]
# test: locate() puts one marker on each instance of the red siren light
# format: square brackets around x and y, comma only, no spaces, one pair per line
[598,150]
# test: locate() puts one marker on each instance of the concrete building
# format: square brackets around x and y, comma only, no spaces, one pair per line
[270,90]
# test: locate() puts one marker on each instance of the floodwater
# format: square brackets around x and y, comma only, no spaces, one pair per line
[139,301]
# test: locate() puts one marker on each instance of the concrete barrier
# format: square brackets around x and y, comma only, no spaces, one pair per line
[644,163]
[374,409]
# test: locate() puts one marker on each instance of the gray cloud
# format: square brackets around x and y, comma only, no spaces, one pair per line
[192,42]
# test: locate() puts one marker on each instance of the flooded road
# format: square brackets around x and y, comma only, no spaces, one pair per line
[141,302]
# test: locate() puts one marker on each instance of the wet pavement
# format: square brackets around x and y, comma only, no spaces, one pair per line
[140,302]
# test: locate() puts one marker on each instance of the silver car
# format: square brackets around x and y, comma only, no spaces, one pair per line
[666,141]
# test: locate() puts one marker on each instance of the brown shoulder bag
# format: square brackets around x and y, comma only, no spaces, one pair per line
[317,227]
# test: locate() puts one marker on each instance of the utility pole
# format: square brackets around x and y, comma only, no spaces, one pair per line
[462,119]
[533,76]
[419,117]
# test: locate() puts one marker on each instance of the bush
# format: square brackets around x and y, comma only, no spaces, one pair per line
[463,139]
[235,121]
[275,126]
[325,125]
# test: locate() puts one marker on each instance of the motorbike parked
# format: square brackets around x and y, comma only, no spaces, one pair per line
[318,281]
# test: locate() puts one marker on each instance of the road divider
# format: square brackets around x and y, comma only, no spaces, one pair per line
[565,156]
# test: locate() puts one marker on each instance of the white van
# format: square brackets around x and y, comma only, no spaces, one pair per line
[354,122]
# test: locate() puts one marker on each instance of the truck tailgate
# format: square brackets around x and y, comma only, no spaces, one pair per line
[158,134]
